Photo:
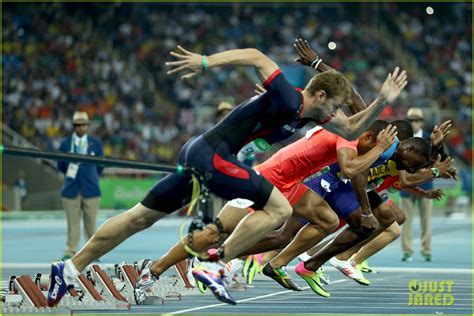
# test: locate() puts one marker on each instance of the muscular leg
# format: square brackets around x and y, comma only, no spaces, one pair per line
[390,234]
[202,240]
[385,216]
[113,232]
[318,247]
[346,239]
[253,227]
[278,239]
[378,243]
[322,222]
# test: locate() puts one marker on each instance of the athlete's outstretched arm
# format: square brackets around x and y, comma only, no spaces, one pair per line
[194,63]
[351,164]
[433,194]
[369,222]
[445,169]
[308,57]
[352,127]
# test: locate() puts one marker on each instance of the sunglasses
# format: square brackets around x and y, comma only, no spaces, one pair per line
[415,120]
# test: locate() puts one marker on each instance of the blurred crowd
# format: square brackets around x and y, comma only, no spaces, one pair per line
[108,60]
[442,45]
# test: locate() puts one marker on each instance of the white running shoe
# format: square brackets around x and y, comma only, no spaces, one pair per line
[346,268]
[145,282]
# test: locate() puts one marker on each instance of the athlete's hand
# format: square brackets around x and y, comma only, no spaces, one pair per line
[446,168]
[369,224]
[306,55]
[393,85]
[386,137]
[187,60]
[259,89]
[434,194]
[440,133]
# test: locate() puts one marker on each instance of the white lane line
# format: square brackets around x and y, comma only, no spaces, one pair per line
[244,300]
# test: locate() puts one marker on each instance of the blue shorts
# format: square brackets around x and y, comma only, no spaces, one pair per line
[338,194]
[229,178]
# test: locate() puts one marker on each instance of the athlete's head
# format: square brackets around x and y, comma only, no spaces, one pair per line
[413,154]
[325,93]
[404,129]
[368,140]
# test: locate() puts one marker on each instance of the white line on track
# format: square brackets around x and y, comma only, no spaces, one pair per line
[244,300]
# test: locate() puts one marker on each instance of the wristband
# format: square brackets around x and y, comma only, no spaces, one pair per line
[204,63]
[366,215]
[435,172]
[316,63]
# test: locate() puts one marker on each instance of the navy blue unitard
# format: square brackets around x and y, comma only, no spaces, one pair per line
[273,116]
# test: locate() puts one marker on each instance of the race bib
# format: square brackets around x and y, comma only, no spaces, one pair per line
[240,203]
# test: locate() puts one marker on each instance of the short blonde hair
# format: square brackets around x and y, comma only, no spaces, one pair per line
[333,83]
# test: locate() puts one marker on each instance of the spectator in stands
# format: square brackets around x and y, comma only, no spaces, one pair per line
[410,202]
[108,60]
[223,109]
[81,192]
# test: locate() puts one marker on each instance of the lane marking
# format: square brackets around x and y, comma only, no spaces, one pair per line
[245,300]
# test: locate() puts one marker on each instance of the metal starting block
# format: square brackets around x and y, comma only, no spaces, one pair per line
[95,290]
[126,277]
[26,297]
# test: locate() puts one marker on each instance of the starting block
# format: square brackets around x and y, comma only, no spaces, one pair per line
[95,290]
[26,297]
[127,276]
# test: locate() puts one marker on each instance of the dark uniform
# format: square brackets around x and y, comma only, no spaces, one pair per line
[273,116]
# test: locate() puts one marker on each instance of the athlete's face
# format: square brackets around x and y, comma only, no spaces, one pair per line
[366,142]
[324,107]
[407,159]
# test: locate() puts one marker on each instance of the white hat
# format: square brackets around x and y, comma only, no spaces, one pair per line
[224,106]
[415,113]
[80,117]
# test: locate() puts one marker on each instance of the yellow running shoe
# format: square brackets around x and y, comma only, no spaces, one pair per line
[364,266]
[362,280]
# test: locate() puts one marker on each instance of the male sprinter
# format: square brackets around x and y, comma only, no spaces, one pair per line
[275,115]
[361,252]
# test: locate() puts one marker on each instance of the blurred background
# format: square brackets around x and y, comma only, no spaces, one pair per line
[108,60]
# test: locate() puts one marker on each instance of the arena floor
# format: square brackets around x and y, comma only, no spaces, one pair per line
[28,246]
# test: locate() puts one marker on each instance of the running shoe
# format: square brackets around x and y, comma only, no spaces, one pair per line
[215,282]
[407,257]
[323,276]
[191,263]
[57,286]
[366,268]
[252,266]
[312,278]
[247,266]
[427,257]
[259,258]
[281,276]
[363,280]
[348,268]
[144,283]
